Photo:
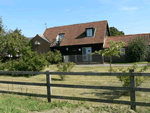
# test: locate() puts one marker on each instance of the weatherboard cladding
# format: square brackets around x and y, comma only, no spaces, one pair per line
[76,34]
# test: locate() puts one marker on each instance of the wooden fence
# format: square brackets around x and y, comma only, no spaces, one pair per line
[49,95]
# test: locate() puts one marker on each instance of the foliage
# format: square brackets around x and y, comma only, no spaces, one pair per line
[12,41]
[65,67]
[126,79]
[113,50]
[29,61]
[115,32]
[15,42]
[137,49]
[2,34]
[53,57]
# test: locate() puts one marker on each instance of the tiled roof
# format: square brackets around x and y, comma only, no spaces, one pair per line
[126,38]
[76,35]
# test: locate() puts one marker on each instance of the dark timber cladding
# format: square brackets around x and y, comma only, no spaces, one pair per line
[77,49]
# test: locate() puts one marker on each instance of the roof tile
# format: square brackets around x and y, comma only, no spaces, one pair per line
[126,38]
[75,34]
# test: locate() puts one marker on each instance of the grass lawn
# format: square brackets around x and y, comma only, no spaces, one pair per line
[78,80]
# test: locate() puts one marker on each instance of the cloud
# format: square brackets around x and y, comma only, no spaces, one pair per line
[129,8]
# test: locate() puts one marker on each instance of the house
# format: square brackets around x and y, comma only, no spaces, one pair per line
[40,44]
[78,41]
[125,38]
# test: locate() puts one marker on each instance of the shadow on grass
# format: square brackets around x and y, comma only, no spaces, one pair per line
[108,94]
[19,75]
[56,79]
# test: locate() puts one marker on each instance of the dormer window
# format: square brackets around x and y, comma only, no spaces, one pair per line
[90,32]
[61,36]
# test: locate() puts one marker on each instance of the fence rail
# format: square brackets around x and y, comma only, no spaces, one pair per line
[48,84]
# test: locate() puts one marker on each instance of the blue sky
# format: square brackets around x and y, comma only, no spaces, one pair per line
[129,16]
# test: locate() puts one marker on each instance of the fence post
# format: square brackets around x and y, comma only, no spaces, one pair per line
[132,92]
[48,80]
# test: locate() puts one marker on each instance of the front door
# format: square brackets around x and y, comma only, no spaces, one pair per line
[85,53]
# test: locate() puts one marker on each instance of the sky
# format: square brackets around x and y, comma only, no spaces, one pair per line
[33,16]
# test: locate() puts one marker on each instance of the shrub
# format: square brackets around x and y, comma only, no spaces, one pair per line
[126,79]
[137,50]
[65,67]
[53,57]
[29,61]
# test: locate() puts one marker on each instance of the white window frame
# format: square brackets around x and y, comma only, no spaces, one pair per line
[61,36]
[124,50]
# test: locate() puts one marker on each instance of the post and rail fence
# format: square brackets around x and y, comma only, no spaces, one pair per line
[48,84]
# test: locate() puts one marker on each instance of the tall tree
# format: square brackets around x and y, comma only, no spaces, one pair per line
[115,32]
[137,49]
[12,41]
[15,42]
[2,39]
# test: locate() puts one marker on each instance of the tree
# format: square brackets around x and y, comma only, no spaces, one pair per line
[113,50]
[137,50]
[2,39]
[14,42]
[115,32]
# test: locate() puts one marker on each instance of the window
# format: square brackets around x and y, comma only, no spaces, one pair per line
[67,49]
[37,43]
[61,36]
[89,32]
[122,51]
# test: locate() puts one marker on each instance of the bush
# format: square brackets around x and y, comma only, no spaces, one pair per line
[137,50]
[29,61]
[53,57]
[65,67]
[126,79]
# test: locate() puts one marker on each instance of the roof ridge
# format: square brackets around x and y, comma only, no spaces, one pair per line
[77,24]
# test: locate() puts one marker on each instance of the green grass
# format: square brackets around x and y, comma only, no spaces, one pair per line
[39,104]
[15,104]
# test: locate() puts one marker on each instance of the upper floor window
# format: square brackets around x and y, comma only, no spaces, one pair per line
[61,36]
[90,32]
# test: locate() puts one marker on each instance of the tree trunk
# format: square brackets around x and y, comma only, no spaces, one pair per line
[110,64]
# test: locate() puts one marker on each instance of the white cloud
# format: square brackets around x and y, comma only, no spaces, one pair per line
[129,8]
